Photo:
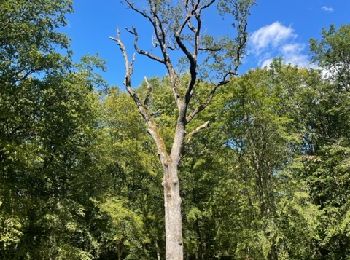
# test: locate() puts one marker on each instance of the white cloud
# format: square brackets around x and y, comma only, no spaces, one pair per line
[278,41]
[292,48]
[328,9]
[298,59]
[270,35]
[292,53]
[266,63]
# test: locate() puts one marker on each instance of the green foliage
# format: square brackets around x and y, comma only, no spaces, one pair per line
[48,161]
[127,229]
[326,162]
[49,138]
[135,170]
[333,54]
[28,38]
[268,179]
[266,213]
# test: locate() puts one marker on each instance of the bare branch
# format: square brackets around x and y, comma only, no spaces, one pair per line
[192,12]
[158,30]
[148,93]
[143,13]
[160,35]
[197,130]
[209,99]
[192,57]
[162,44]
[196,36]
[208,5]
[185,22]
[143,52]
[242,41]
[157,25]
[196,12]
[191,26]
[128,74]
[143,110]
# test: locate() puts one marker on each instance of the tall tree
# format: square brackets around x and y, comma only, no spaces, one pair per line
[28,59]
[254,207]
[48,137]
[178,31]
[136,175]
[327,139]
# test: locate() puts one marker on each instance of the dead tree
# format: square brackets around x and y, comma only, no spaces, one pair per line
[178,30]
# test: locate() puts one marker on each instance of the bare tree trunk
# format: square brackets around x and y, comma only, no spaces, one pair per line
[173,217]
[172,198]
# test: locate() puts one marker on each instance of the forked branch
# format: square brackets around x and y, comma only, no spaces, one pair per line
[196,131]
[236,61]
[152,127]
[151,56]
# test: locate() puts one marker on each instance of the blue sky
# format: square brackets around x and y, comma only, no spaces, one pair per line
[276,28]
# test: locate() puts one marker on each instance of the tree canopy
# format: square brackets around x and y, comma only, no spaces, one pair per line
[264,170]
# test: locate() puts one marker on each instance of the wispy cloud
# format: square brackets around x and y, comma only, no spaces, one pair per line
[270,35]
[328,9]
[292,48]
[292,53]
[278,40]
[266,63]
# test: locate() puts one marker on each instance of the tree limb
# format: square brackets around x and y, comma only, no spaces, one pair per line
[143,52]
[143,110]
[242,41]
[208,5]
[143,13]
[197,130]
[148,93]
[209,99]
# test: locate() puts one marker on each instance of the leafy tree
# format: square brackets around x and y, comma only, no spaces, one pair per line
[49,138]
[327,158]
[29,40]
[269,206]
[127,226]
[27,50]
[332,53]
[135,171]
[264,161]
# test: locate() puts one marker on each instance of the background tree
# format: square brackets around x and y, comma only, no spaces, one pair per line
[49,138]
[255,207]
[327,141]
[136,179]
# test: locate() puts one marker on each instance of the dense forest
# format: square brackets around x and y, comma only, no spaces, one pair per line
[264,170]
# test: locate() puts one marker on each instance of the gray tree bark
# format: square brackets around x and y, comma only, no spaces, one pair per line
[173,216]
